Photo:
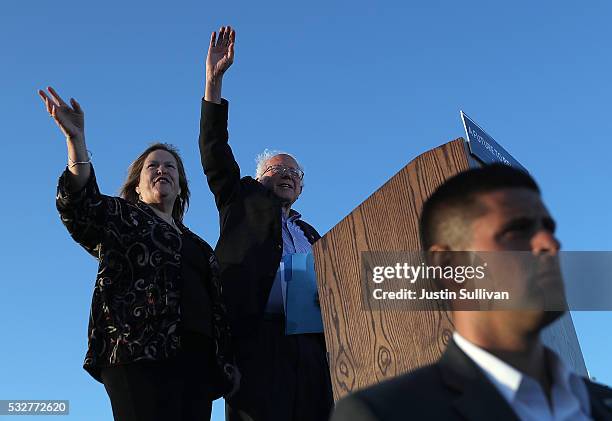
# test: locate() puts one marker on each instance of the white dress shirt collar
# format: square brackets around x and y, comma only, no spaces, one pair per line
[570,397]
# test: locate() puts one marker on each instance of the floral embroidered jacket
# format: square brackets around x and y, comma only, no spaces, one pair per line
[135,311]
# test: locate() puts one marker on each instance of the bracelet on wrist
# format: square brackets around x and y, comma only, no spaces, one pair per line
[72,163]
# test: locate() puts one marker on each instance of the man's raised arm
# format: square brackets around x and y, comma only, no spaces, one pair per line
[220,167]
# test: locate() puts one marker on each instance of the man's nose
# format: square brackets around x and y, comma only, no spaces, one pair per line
[545,242]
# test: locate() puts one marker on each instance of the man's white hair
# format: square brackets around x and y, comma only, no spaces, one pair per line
[262,159]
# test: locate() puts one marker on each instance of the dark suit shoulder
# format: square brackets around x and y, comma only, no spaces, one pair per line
[600,392]
[601,400]
[311,233]
[415,394]
[353,408]
[598,388]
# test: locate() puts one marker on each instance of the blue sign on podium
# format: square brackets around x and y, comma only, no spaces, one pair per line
[483,147]
[300,296]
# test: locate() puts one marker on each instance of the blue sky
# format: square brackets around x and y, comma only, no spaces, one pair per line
[354,89]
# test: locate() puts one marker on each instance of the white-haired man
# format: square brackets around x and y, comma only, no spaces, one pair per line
[284,377]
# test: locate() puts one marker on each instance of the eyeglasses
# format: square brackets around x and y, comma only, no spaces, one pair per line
[282,170]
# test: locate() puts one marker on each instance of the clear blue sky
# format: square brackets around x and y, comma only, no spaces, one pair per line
[354,89]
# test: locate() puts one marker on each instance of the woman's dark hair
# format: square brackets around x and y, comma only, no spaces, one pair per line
[128,190]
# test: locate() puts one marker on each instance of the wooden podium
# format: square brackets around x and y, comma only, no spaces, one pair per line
[368,345]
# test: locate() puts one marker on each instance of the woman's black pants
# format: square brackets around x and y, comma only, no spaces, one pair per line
[178,389]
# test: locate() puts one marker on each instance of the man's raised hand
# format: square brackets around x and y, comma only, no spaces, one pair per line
[220,57]
[220,53]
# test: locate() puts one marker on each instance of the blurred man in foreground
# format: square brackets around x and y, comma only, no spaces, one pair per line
[495,367]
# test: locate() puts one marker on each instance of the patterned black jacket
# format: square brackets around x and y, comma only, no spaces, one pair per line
[135,311]
[250,244]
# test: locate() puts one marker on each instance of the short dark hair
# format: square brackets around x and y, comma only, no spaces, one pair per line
[448,212]
[128,190]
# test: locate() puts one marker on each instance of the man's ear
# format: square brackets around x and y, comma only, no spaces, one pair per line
[137,190]
[439,255]
[443,256]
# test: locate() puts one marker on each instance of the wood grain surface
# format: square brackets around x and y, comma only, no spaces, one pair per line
[368,342]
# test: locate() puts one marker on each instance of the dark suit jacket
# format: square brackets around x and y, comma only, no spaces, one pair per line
[454,388]
[250,244]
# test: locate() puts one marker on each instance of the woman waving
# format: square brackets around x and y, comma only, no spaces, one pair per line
[158,338]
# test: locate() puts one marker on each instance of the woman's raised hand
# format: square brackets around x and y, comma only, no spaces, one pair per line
[70,120]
